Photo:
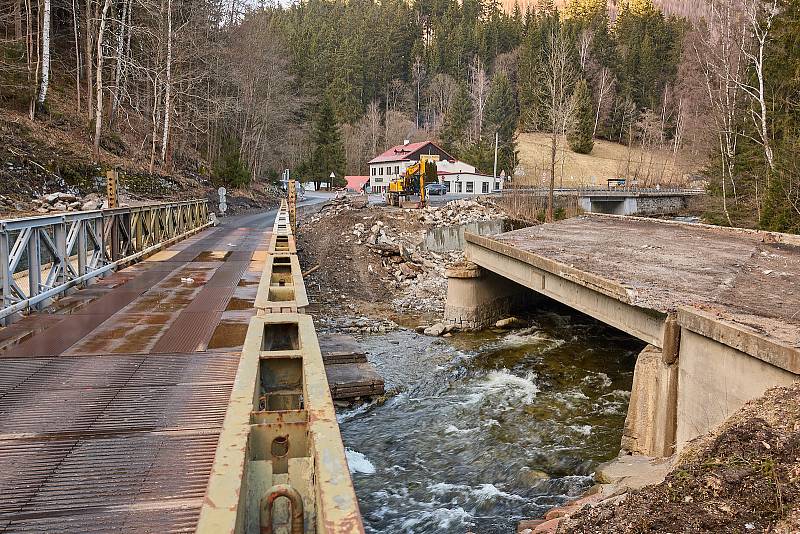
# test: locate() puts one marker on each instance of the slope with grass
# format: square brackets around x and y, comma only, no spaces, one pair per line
[607,160]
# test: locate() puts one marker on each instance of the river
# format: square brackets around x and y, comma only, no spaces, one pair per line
[486,429]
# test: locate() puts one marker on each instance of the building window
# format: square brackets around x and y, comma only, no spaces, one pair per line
[397,169]
[459,187]
[373,171]
[485,187]
[381,171]
[470,187]
[389,170]
[497,186]
[448,185]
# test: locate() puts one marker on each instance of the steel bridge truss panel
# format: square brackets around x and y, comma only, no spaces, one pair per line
[41,257]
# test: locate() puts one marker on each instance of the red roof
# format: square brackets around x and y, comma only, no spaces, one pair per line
[355,183]
[402,152]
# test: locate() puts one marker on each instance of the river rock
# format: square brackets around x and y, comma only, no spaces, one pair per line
[435,330]
[510,322]
[633,472]
[52,198]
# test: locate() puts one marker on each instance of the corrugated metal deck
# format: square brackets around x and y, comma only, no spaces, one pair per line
[110,402]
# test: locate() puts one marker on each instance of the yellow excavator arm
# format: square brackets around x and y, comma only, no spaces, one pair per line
[403,185]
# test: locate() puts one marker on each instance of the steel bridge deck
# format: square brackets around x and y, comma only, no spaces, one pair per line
[111,401]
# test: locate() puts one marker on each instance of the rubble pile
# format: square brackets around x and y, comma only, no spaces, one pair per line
[61,201]
[57,202]
[418,274]
[461,211]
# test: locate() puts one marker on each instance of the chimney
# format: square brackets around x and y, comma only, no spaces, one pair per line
[405,142]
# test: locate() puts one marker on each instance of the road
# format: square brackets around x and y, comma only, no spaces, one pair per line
[112,399]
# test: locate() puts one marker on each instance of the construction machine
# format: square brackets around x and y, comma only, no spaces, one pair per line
[412,183]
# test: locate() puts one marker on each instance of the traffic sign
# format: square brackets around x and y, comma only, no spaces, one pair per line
[222,191]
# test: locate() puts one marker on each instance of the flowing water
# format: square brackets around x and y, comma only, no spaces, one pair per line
[487,429]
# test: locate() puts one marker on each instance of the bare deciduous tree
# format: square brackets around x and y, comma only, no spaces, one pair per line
[558,78]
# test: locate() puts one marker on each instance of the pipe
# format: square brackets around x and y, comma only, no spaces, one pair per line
[282,490]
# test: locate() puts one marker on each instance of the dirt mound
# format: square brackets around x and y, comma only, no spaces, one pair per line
[745,477]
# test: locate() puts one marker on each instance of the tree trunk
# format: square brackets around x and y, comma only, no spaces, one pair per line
[98,116]
[168,87]
[88,32]
[18,19]
[38,48]
[156,117]
[553,149]
[45,55]
[123,27]
[75,16]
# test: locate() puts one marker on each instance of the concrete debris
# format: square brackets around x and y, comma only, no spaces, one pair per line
[380,251]
[461,211]
[510,322]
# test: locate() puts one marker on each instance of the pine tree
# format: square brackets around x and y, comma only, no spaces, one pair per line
[328,155]
[229,170]
[579,135]
[501,118]
[456,121]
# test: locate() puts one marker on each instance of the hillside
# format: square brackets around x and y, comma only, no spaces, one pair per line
[54,154]
[690,9]
[607,160]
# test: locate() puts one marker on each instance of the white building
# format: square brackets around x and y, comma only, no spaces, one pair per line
[394,162]
[457,176]
[470,182]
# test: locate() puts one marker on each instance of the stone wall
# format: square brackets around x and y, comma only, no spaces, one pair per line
[659,205]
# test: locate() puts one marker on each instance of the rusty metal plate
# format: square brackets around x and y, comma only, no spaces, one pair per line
[124,333]
[73,485]
[211,299]
[57,338]
[100,371]
[229,274]
[104,410]
[190,332]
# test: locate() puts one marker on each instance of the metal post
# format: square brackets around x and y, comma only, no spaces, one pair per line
[60,234]
[111,189]
[80,244]
[5,274]
[34,263]
[291,201]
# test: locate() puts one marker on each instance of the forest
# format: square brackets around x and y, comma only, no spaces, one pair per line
[238,91]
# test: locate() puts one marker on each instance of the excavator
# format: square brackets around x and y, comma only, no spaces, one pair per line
[411,183]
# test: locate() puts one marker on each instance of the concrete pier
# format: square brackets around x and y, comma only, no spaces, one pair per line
[477,298]
[717,306]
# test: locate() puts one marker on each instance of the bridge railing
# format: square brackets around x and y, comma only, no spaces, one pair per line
[280,437]
[42,257]
[606,191]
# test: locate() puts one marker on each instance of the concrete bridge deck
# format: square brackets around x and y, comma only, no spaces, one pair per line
[746,277]
[112,400]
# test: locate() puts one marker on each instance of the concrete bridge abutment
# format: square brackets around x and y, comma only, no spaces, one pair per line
[477,298]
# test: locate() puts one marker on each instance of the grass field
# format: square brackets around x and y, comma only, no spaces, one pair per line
[607,160]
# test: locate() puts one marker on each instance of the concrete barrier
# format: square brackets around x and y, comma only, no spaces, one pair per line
[280,437]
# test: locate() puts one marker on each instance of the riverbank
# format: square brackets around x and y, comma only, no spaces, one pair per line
[742,477]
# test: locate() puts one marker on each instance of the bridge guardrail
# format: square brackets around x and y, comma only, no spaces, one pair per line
[620,191]
[57,252]
[280,437]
